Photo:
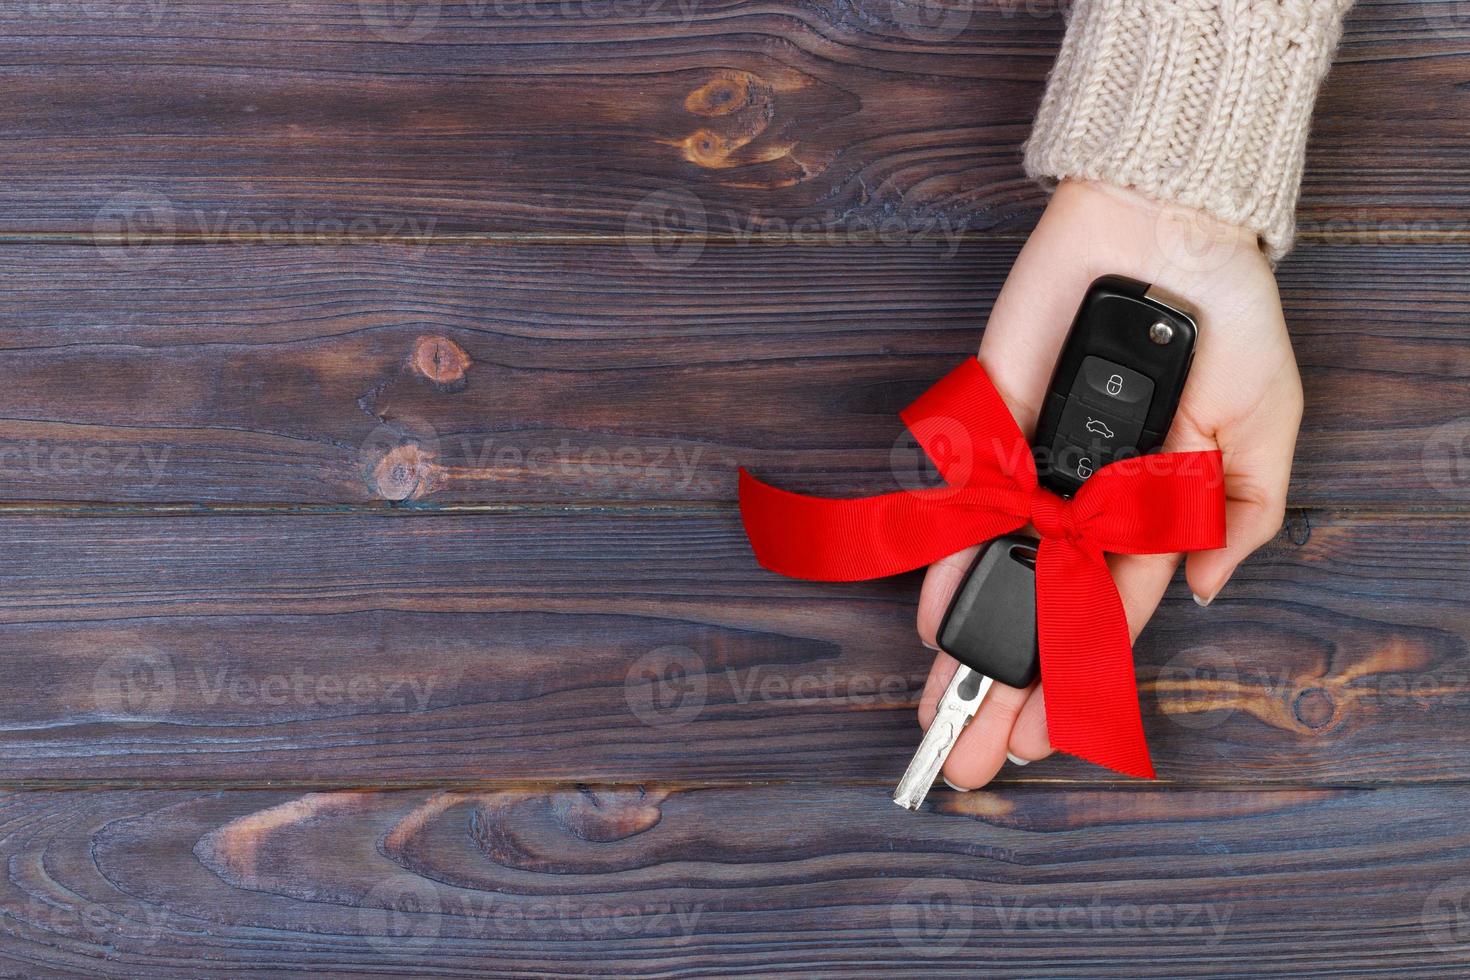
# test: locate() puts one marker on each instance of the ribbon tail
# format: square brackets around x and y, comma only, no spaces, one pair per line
[869,537]
[1087,660]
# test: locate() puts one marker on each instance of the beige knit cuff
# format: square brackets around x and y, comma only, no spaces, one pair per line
[1203,103]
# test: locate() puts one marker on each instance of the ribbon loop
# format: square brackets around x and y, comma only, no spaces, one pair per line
[1086,656]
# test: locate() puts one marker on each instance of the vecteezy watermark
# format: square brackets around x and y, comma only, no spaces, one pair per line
[1206,920]
[135,684]
[406,459]
[1446,915]
[668,230]
[147,12]
[933,917]
[1447,18]
[147,684]
[1196,243]
[938,454]
[401,914]
[412,21]
[667,687]
[130,229]
[671,686]
[139,923]
[34,458]
[408,914]
[932,20]
[400,21]
[1447,459]
[1198,688]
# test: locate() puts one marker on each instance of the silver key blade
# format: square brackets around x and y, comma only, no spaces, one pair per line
[960,702]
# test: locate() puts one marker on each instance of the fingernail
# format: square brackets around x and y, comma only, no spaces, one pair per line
[930,646]
[1202,602]
[1017,761]
[957,789]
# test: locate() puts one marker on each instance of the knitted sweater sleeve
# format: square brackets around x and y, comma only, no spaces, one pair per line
[1203,103]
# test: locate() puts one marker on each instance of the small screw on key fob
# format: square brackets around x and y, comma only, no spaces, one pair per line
[1116,384]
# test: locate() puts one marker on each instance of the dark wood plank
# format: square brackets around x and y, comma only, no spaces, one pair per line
[471,374]
[774,881]
[601,645]
[325,117]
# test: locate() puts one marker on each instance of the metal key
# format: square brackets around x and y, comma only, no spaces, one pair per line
[990,628]
[960,702]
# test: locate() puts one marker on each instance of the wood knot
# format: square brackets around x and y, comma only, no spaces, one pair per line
[441,362]
[725,94]
[1298,527]
[604,816]
[1314,708]
[405,472]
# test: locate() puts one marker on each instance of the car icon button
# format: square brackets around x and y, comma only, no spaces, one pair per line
[1105,432]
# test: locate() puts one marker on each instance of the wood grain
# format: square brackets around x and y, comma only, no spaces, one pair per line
[779,881]
[460,374]
[604,645]
[165,118]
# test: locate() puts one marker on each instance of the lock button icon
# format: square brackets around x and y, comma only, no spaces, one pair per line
[1115,384]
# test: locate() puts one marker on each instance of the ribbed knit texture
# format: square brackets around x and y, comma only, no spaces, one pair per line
[1203,103]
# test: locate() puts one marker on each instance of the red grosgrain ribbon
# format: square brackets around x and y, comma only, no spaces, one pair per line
[1166,502]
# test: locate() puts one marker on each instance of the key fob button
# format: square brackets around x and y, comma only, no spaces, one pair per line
[1104,432]
[1071,464]
[1114,388]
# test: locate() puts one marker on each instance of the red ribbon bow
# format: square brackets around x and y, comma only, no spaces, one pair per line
[1146,505]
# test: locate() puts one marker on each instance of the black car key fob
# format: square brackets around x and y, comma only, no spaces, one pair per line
[1116,384]
[990,625]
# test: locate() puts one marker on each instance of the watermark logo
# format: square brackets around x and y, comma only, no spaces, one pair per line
[130,226]
[400,21]
[1448,18]
[1192,241]
[399,458]
[136,684]
[666,231]
[1197,688]
[667,687]
[401,915]
[1447,459]
[149,12]
[1446,916]
[1097,918]
[933,20]
[936,445]
[933,918]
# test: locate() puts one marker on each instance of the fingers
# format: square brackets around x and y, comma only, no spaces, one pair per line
[1142,581]
[1249,523]
[940,582]
[981,749]
[1029,740]
[1012,720]
[1257,471]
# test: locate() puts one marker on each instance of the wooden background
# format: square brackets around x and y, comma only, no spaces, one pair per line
[372,379]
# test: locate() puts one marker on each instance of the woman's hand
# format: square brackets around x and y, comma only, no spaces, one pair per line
[1243,395]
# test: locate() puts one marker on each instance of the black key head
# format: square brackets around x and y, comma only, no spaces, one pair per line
[990,625]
